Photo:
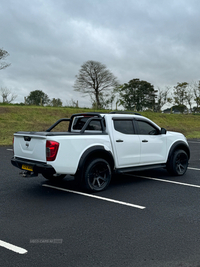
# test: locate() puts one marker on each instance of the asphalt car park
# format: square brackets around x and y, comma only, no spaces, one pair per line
[142,219]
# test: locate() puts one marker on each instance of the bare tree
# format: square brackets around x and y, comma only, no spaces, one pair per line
[72,103]
[196,90]
[56,102]
[6,94]
[95,80]
[180,93]
[162,98]
[190,95]
[3,55]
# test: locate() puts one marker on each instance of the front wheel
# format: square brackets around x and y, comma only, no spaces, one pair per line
[178,163]
[97,175]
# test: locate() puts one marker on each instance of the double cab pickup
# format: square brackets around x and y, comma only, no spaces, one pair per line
[95,146]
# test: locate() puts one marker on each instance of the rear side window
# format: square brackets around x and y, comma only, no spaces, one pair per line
[146,129]
[79,123]
[124,126]
[94,125]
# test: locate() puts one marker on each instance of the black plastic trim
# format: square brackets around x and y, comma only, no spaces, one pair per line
[56,123]
[179,145]
[38,167]
[41,134]
[140,168]
[95,151]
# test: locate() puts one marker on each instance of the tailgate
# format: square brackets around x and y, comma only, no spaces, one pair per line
[30,146]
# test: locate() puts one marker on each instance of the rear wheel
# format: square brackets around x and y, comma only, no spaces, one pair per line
[97,175]
[178,163]
[53,177]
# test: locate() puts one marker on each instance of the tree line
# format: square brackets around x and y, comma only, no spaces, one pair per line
[36,98]
[95,80]
[105,91]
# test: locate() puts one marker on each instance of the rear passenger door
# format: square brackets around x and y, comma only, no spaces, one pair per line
[126,143]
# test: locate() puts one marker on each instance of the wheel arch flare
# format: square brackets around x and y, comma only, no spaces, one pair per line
[92,153]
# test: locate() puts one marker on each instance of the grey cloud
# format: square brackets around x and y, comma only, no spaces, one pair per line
[48,41]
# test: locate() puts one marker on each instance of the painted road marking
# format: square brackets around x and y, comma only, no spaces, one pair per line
[98,197]
[13,247]
[196,169]
[165,181]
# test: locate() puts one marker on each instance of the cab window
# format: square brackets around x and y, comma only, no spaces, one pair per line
[124,126]
[144,128]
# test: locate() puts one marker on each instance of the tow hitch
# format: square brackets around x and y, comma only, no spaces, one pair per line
[28,174]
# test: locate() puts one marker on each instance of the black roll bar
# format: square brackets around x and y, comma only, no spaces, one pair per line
[56,123]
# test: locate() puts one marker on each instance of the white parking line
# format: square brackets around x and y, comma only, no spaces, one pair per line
[13,247]
[98,197]
[196,169]
[165,181]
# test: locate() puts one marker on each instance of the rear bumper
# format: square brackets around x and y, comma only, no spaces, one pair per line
[38,167]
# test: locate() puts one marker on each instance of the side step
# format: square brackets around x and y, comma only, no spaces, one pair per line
[140,168]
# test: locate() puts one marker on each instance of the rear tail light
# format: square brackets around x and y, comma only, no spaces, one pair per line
[51,150]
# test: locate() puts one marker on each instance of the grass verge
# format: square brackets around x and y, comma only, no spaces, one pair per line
[32,118]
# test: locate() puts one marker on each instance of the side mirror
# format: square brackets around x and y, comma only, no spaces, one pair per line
[163,131]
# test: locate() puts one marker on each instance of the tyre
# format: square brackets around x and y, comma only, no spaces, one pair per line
[54,177]
[178,163]
[97,175]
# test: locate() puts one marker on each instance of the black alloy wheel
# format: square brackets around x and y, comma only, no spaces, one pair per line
[178,163]
[97,175]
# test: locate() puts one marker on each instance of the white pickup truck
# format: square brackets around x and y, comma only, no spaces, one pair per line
[97,145]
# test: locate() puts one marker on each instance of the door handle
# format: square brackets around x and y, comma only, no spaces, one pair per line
[119,140]
[144,141]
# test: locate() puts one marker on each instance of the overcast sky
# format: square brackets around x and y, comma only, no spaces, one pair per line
[48,40]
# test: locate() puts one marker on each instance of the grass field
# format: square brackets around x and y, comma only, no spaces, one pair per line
[15,118]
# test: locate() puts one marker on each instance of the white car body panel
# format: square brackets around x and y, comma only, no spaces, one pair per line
[72,148]
[30,150]
[127,150]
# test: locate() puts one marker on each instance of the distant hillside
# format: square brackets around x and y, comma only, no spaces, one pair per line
[15,118]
